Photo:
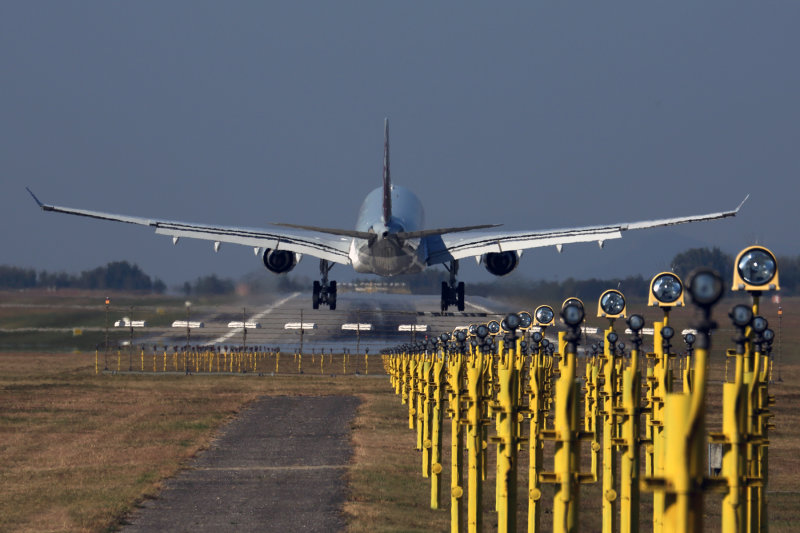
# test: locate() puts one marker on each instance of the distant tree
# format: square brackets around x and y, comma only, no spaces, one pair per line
[118,275]
[210,285]
[714,258]
[789,274]
[17,278]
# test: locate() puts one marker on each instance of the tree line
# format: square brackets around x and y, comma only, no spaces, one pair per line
[121,275]
[117,275]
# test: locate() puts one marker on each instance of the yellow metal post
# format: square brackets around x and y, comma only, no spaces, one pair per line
[474,442]
[455,379]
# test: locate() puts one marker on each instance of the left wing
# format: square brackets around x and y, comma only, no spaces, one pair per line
[442,249]
[328,247]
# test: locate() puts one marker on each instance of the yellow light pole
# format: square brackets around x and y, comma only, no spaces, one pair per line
[682,483]
[611,305]
[666,292]
[566,474]
[756,271]
[629,469]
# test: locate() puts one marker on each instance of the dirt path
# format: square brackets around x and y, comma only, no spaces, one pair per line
[277,467]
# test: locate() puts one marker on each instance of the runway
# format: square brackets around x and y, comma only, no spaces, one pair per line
[384,313]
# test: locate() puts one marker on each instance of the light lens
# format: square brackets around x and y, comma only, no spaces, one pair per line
[612,303]
[512,321]
[572,314]
[612,337]
[636,322]
[759,324]
[705,287]
[689,338]
[667,332]
[667,288]
[768,335]
[537,337]
[525,319]
[494,327]
[544,314]
[482,331]
[461,336]
[757,267]
[741,316]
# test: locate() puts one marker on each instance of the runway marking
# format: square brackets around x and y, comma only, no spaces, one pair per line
[270,468]
[259,316]
[480,308]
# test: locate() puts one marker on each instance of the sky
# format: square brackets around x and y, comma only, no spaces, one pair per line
[531,114]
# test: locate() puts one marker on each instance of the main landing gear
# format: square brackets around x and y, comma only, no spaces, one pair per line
[324,292]
[452,293]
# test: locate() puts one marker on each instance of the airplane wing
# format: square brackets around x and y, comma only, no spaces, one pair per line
[329,247]
[444,248]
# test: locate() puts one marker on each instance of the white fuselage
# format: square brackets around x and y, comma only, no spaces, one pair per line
[388,255]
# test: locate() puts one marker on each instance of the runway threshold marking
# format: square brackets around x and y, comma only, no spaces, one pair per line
[254,318]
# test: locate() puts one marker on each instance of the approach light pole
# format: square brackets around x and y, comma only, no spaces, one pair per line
[188,314]
[105,358]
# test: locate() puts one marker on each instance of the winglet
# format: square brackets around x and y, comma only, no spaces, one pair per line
[39,203]
[741,204]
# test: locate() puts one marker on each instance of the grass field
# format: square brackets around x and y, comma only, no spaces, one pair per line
[78,450]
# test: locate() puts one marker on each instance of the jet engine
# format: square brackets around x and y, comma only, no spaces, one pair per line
[500,263]
[279,261]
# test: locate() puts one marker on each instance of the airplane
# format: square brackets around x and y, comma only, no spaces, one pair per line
[389,239]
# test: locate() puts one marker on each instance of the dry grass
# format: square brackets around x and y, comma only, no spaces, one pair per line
[78,450]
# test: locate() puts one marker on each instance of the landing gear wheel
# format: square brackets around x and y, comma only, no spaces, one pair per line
[332,296]
[445,296]
[315,295]
[460,296]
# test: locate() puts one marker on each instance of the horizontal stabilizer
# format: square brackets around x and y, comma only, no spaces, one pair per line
[402,235]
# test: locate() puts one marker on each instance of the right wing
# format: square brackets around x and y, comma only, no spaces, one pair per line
[323,246]
[442,249]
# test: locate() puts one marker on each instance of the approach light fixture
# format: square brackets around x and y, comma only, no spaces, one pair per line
[525,319]
[759,324]
[611,304]
[756,270]
[666,290]
[544,316]
[705,287]
[482,331]
[741,315]
[494,327]
[572,312]
[768,335]
[636,323]
[667,333]
[512,321]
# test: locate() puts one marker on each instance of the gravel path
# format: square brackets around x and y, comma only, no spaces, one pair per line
[277,467]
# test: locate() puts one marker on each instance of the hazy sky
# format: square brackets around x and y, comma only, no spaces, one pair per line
[531,114]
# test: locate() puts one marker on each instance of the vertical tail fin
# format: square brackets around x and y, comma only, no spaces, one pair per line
[387,180]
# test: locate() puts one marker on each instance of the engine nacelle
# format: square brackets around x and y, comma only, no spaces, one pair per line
[500,263]
[279,261]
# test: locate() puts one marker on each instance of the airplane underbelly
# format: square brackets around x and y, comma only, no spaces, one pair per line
[387,258]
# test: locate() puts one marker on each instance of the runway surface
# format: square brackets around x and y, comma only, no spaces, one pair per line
[385,313]
[277,467]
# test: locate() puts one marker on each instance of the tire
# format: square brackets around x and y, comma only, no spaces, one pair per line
[315,295]
[445,296]
[460,296]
